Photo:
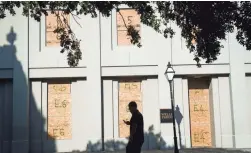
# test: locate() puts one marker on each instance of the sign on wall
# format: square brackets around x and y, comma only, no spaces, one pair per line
[129,90]
[200,117]
[52,23]
[126,17]
[59,111]
[166,116]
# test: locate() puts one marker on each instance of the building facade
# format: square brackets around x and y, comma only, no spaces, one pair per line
[46,106]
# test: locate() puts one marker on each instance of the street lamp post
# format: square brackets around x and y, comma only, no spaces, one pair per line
[169,75]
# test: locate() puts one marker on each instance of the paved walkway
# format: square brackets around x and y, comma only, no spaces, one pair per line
[190,151]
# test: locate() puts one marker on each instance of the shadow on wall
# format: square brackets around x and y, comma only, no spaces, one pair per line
[153,141]
[178,117]
[14,125]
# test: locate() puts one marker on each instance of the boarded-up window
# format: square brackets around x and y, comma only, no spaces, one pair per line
[59,111]
[200,115]
[52,22]
[129,90]
[126,17]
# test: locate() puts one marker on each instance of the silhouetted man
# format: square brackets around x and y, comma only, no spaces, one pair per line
[136,123]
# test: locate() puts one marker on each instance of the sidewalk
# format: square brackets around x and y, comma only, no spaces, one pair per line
[213,150]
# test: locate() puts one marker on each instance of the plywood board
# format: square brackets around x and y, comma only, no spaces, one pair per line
[52,39]
[123,38]
[52,23]
[59,88]
[59,128]
[59,111]
[125,18]
[129,90]
[200,117]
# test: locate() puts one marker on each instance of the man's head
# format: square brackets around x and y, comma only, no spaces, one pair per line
[132,106]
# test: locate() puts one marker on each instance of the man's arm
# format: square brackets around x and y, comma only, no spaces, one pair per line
[127,122]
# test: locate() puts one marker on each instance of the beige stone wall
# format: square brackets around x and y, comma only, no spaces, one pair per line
[129,90]
[200,117]
[126,17]
[59,111]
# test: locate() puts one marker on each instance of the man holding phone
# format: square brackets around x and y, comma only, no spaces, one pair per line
[136,123]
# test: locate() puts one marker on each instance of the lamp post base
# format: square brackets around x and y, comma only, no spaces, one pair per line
[176,149]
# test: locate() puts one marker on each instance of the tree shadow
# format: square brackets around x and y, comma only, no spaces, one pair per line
[153,141]
[22,124]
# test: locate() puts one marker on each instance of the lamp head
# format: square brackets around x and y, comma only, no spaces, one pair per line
[169,73]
